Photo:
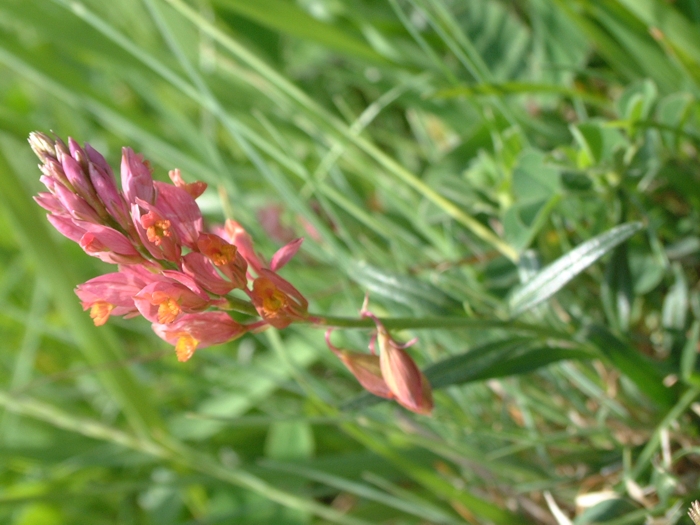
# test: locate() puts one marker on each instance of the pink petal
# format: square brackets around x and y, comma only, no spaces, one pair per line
[204,273]
[137,182]
[67,226]
[284,254]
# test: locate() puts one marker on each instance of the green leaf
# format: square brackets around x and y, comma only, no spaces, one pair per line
[675,307]
[499,359]
[597,141]
[645,374]
[689,354]
[535,190]
[289,18]
[513,356]
[554,277]
[405,290]
[617,291]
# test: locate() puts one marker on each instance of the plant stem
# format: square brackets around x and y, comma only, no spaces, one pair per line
[449,323]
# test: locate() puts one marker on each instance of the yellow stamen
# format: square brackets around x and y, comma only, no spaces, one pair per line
[185,347]
[99,312]
[168,310]
[158,230]
[273,299]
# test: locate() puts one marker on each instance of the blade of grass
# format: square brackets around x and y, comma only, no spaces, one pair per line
[288,89]
[290,19]
[170,451]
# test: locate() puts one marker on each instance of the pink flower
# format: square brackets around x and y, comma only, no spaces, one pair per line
[108,245]
[203,271]
[225,257]
[177,206]
[193,331]
[165,301]
[113,293]
[195,189]
[236,235]
[277,301]
[155,232]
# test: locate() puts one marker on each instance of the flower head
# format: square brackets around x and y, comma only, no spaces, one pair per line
[170,270]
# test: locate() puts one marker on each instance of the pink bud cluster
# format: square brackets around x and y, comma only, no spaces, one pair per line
[170,270]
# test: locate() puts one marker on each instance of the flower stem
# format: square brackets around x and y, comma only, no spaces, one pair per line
[449,323]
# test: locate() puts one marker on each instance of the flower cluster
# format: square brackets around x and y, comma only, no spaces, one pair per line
[178,275]
[170,270]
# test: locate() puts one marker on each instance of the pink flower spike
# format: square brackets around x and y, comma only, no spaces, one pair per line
[194,331]
[195,189]
[137,181]
[204,273]
[284,254]
[165,302]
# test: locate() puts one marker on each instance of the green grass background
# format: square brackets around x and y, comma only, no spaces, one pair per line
[443,153]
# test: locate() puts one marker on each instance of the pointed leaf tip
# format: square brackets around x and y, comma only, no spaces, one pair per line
[554,277]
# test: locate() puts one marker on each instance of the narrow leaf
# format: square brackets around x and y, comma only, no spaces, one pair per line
[553,278]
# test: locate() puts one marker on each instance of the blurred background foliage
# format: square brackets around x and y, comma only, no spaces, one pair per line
[438,154]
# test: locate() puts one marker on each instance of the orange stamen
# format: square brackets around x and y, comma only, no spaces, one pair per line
[168,307]
[99,312]
[185,347]
[273,299]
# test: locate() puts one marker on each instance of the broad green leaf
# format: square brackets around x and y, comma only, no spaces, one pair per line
[535,190]
[597,141]
[554,277]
